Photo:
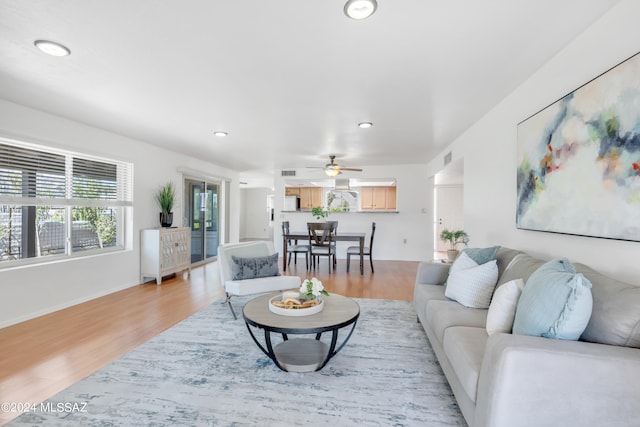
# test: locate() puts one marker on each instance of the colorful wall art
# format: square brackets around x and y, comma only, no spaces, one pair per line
[579,160]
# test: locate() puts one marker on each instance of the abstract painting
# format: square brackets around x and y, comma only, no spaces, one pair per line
[579,160]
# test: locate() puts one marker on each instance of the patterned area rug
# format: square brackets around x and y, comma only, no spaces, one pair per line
[207,371]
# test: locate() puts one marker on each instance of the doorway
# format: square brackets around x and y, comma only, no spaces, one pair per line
[449,208]
[202,213]
[448,200]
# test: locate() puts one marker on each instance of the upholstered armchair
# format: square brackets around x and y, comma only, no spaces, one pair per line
[251,268]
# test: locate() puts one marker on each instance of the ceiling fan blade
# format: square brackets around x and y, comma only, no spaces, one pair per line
[332,168]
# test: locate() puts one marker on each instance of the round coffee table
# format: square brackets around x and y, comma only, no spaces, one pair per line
[301,354]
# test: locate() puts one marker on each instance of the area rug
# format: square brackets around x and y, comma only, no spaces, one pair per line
[207,371]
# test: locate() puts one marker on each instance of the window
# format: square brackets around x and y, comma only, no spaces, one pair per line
[56,204]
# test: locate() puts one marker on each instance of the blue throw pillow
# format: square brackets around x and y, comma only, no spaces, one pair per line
[556,302]
[252,268]
[482,255]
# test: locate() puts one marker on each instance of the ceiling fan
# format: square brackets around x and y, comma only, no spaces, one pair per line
[333,169]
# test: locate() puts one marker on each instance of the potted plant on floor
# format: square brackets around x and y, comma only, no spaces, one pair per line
[166,197]
[454,238]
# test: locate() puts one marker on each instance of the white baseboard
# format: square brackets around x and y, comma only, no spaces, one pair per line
[49,310]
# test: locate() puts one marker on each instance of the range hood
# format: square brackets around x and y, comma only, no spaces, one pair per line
[342,184]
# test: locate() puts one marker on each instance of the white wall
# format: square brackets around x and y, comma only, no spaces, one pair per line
[414,201]
[254,214]
[29,291]
[489,149]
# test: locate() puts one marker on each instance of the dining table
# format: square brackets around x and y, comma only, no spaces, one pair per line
[338,237]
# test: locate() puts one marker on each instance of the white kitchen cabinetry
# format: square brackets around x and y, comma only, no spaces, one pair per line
[164,251]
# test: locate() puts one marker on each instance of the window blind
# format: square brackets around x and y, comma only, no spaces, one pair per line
[33,176]
[31,173]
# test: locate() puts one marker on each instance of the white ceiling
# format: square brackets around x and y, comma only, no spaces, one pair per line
[288,79]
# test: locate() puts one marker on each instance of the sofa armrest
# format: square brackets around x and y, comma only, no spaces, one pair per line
[533,381]
[432,273]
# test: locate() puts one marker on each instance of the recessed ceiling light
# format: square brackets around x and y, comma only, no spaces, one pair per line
[221,133]
[360,9]
[52,48]
[365,125]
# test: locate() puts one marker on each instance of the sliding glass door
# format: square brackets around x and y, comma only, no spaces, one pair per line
[202,214]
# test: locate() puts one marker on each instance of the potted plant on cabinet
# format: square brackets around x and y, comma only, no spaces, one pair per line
[166,197]
[454,238]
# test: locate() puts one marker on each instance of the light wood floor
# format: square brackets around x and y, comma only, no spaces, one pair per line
[45,355]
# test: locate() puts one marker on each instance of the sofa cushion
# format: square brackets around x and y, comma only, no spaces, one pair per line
[555,302]
[444,314]
[504,256]
[502,310]
[615,318]
[471,284]
[464,347]
[424,293]
[255,267]
[521,266]
[482,255]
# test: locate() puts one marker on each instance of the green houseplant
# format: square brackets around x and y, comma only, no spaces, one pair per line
[166,197]
[454,238]
[319,213]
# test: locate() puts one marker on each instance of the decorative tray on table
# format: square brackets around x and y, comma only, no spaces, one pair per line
[288,304]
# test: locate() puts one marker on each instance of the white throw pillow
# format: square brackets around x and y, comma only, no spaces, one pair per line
[471,284]
[502,310]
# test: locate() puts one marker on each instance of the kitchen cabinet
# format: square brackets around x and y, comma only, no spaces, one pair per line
[310,197]
[292,191]
[391,198]
[164,251]
[377,198]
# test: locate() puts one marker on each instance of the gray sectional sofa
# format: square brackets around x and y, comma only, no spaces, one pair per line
[507,380]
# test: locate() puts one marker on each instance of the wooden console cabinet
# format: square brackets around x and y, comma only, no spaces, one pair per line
[164,251]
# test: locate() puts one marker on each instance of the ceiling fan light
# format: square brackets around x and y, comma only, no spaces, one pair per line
[360,9]
[332,171]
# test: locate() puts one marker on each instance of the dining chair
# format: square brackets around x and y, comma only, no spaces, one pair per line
[333,242]
[367,250]
[293,248]
[321,242]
